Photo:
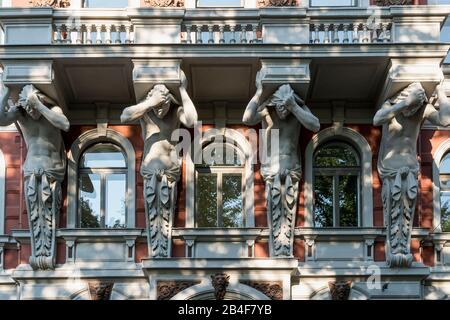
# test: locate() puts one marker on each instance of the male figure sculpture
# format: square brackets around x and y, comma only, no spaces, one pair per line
[161,163]
[284,111]
[398,167]
[40,122]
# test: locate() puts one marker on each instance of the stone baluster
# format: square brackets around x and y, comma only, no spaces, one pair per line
[58,33]
[254,33]
[355,33]
[199,33]
[89,30]
[384,32]
[336,33]
[243,33]
[346,35]
[79,33]
[375,36]
[365,34]
[188,34]
[317,33]
[326,36]
[98,31]
[211,33]
[127,33]
[118,29]
[222,33]
[69,29]
[233,34]
[108,29]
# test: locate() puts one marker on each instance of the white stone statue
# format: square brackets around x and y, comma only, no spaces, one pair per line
[159,115]
[40,122]
[284,111]
[401,118]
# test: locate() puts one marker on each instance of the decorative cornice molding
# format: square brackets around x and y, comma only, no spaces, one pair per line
[220,282]
[164,3]
[100,290]
[385,3]
[165,290]
[50,3]
[272,289]
[277,3]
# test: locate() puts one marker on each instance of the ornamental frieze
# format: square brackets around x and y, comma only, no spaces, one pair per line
[50,3]
[272,289]
[393,2]
[164,3]
[277,3]
[166,290]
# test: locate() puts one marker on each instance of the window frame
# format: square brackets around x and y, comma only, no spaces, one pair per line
[224,6]
[103,173]
[83,5]
[443,190]
[335,172]
[356,4]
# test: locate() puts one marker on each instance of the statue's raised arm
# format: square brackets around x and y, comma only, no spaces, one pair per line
[7,115]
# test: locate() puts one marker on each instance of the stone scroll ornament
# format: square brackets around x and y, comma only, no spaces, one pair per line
[159,115]
[401,118]
[164,3]
[281,169]
[50,3]
[40,121]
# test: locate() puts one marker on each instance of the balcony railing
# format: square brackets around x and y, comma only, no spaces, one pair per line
[331,26]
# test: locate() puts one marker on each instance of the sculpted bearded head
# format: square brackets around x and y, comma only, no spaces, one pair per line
[166,98]
[280,98]
[415,93]
[28,98]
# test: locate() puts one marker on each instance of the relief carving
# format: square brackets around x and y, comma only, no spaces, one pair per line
[168,289]
[340,290]
[164,3]
[40,121]
[50,3]
[159,115]
[401,118]
[393,2]
[277,3]
[220,282]
[272,289]
[100,290]
[283,114]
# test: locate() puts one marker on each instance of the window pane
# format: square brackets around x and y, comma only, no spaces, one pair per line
[115,201]
[103,155]
[106,3]
[206,197]
[348,201]
[232,201]
[336,155]
[332,3]
[445,164]
[445,211]
[323,201]
[219,3]
[89,204]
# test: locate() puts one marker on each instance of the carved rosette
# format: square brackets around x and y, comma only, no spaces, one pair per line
[100,290]
[277,3]
[385,3]
[220,282]
[340,290]
[272,289]
[166,290]
[50,3]
[164,3]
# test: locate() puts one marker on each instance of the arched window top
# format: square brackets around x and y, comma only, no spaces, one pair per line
[103,155]
[222,154]
[444,167]
[336,154]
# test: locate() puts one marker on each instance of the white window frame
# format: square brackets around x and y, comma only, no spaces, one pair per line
[244,146]
[438,156]
[361,145]
[85,141]
[335,173]
[2,192]
[356,4]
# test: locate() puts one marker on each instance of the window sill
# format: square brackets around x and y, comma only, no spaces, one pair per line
[219,234]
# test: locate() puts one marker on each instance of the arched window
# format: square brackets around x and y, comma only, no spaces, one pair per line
[102,187]
[336,185]
[219,187]
[444,181]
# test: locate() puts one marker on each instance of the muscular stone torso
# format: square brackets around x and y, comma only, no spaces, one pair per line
[289,134]
[159,150]
[44,143]
[399,143]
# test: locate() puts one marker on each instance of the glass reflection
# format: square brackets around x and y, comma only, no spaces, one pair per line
[103,155]
[336,155]
[232,201]
[115,201]
[348,201]
[323,201]
[206,200]
[90,202]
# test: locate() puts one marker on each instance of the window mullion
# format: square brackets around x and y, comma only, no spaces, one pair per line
[336,222]
[219,200]
[103,200]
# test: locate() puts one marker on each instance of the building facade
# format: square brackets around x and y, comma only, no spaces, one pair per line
[249,149]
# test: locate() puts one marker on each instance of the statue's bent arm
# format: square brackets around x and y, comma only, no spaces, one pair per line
[13,114]
[306,118]
[187,113]
[55,116]
[441,117]
[387,112]
[137,111]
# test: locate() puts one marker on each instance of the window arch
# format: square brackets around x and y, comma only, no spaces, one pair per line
[227,162]
[97,166]
[441,187]
[359,145]
[336,185]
